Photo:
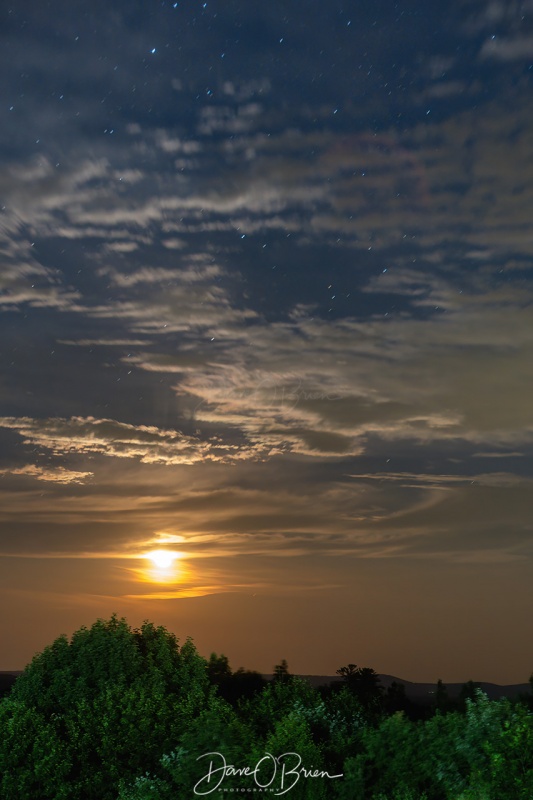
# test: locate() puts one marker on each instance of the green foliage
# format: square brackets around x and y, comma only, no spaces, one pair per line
[445,766]
[277,699]
[389,762]
[35,761]
[485,754]
[498,745]
[336,723]
[292,743]
[290,716]
[134,715]
[217,730]
[87,713]
[145,787]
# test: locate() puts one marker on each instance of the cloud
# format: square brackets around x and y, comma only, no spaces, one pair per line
[441,480]
[103,342]
[507,48]
[45,297]
[60,475]
[163,245]
[160,275]
[109,437]
[323,388]
[283,509]
[310,386]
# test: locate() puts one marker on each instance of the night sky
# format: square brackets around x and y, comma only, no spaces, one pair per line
[266,303]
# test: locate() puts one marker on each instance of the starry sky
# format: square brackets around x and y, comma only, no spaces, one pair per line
[266,302]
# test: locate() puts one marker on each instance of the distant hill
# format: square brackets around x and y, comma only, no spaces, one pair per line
[423,692]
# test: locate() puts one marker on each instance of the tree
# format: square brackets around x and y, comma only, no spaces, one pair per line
[281,672]
[277,699]
[103,706]
[292,744]
[233,686]
[348,672]
[497,743]
[445,766]
[337,724]
[365,684]
[217,729]
[468,692]
[442,700]
[218,669]
[389,761]
[23,732]
[396,699]
[243,684]
[527,697]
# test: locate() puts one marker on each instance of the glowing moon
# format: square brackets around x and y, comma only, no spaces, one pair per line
[162,559]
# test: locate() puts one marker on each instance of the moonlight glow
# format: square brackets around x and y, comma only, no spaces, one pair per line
[163,559]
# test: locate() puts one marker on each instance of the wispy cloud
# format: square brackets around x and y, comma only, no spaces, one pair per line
[51,474]
[109,437]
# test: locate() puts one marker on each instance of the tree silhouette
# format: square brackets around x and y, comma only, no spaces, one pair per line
[442,700]
[233,686]
[396,699]
[218,669]
[364,683]
[468,692]
[281,672]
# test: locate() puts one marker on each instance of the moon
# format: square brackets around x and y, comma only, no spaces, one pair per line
[162,559]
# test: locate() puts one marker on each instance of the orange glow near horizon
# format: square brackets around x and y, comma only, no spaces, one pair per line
[164,566]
